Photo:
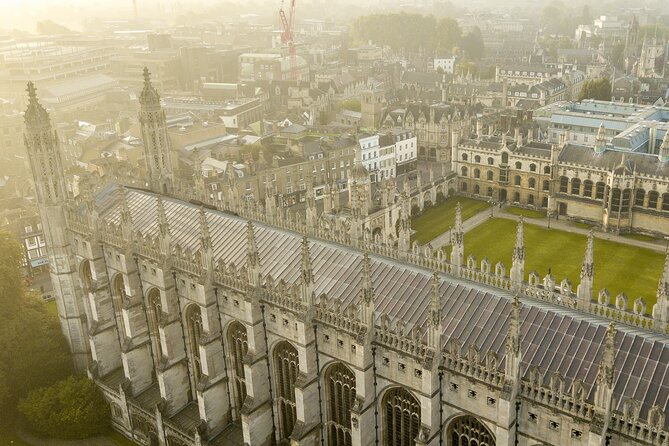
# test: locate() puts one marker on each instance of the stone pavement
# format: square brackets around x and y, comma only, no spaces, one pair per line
[563,225]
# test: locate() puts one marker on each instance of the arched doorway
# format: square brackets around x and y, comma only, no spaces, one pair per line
[401,416]
[468,431]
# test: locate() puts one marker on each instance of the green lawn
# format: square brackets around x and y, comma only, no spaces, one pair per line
[618,267]
[7,434]
[436,220]
[52,308]
[527,213]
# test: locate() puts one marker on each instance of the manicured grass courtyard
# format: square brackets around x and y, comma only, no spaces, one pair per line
[527,213]
[436,220]
[618,267]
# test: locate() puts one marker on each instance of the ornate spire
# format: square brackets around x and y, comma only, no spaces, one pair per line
[149,95]
[606,372]
[600,140]
[663,285]
[252,256]
[588,267]
[513,344]
[35,113]
[458,233]
[519,247]
[518,260]
[664,148]
[434,321]
[435,300]
[307,273]
[367,287]
[163,225]
[513,341]
[205,237]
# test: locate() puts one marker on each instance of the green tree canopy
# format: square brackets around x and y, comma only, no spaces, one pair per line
[599,89]
[33,351]
[409,32]
[472,44]
[72,408]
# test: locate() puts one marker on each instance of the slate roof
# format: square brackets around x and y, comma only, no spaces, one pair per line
[554,338]
[643,163]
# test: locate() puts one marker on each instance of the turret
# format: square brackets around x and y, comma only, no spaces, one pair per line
[584,290]
[307,273]
[43,152]
[661,307]
[600,140]
[518,261]
[664,148]
[435,325]
[252,256]
[44,155]
[457,241]
[157,150]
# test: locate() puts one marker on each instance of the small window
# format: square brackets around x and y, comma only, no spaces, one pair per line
[490,175]
[464,157]
[531,183]
[533,167]
[477,173]
[519,165]
[516,180]
[477,159]
[547,170]
[491,161]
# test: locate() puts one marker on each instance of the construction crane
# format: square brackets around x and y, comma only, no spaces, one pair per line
[287,37]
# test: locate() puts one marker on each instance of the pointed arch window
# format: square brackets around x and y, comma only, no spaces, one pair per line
[401,413]
[468,431]
[155,309]
[194,329]
[86,275]
[340,383]
[238,347]
[118,297]
[286,365]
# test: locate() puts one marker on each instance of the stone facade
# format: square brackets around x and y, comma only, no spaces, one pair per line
[200,323]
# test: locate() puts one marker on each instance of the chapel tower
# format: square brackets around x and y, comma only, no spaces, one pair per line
[157,150]
[41,143]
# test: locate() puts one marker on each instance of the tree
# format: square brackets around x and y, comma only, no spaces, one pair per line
[472,44]
[599,89]
[72,408]
[33,351]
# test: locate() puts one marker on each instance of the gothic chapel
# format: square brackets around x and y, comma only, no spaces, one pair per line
[203,326]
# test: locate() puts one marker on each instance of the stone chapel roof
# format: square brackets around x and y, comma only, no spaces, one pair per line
[555,339]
